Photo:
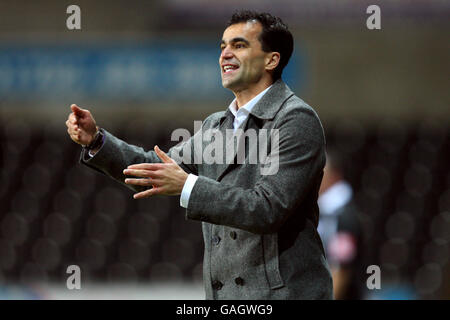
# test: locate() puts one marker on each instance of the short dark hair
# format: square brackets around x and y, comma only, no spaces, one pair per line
[275,36]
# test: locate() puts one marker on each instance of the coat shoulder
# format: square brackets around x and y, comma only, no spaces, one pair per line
[297,105]
[213,118]
[300,114]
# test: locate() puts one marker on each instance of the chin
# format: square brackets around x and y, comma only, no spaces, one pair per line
[231,85]
[227,84]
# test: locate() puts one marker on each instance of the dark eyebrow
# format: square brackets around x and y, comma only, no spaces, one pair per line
[238,39]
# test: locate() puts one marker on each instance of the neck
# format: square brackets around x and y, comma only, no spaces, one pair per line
[245,95]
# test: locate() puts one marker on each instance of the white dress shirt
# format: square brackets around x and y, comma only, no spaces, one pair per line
[334,198]
[240,115]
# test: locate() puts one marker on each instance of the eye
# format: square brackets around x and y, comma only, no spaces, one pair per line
[239,45]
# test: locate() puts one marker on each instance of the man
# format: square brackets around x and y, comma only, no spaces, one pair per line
[340,230]
[259,229]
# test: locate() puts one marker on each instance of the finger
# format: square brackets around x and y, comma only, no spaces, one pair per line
[162,155]
[140,173]
[147,193]
[139,182]
[71,131]
[144,182]
[74,136]
[147,166]
[73,119]
[136,173]
[157,182]
[78,112]
[71,122]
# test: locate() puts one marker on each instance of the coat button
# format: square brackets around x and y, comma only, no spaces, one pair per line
[233,235]
[239,281]
[216,240]
[217,285]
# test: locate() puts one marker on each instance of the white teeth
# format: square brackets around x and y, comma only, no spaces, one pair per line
[228,68]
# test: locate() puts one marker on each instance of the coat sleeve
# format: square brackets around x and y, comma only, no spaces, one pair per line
[265,207]
[116,155]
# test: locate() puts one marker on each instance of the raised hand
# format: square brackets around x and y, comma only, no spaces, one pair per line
[167,178]
[81,125]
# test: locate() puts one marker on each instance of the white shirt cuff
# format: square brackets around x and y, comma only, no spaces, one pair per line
[187,189]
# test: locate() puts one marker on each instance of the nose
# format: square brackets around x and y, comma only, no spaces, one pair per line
[226,53]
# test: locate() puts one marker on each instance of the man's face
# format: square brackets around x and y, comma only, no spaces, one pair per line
[242,60]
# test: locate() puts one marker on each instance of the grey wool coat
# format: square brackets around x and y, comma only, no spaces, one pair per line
[259,230]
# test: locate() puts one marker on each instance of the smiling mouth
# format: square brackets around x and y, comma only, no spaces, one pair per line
[228,68]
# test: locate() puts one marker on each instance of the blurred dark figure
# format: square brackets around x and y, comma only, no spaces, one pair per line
[340,230]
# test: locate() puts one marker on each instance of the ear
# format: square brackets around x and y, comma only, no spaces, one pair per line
[272,60]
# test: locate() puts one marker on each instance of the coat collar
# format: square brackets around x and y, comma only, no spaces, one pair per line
[266,108]
[270,103]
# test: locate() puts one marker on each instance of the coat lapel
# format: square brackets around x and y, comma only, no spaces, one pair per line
[265,109]
[226,124]
[271,102]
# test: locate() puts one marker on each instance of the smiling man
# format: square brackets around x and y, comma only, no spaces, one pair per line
[246,68]
[259,230]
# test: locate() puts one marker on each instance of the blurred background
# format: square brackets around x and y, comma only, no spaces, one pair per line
[145,68]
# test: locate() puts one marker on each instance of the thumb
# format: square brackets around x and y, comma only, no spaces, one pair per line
[162,155]
[77,111]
